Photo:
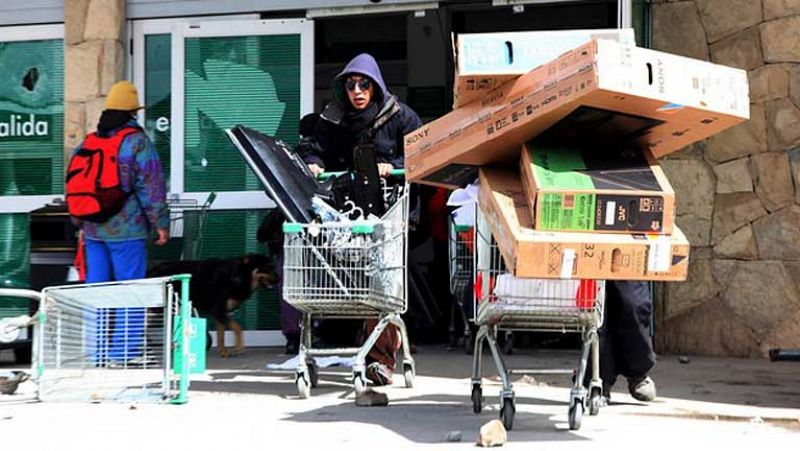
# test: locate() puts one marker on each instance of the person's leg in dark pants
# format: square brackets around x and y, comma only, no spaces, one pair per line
[625,345]
[290,316]
[382,358]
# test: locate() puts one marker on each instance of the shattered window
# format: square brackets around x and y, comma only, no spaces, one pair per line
[31,117]
[248,80]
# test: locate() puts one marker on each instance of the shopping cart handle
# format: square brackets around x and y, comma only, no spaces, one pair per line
[326,175]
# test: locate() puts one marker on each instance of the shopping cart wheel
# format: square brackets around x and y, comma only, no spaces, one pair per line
[595,401]
[575,414]
[303,387]
[507,413]
[408,374]
[313,375]
[477,398]
[359,385]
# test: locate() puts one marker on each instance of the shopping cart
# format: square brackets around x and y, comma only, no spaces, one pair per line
[187,222]
[121,341]
[542,305]
[352,269]
[461,251]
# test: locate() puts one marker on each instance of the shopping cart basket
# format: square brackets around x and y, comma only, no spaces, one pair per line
[121,341]
[510,303]
[187,221]
[352,269]
[461,251]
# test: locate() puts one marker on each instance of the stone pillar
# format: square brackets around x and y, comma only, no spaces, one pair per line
[94,59]
[738,193]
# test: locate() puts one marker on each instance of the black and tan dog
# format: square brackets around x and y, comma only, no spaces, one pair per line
[220,286]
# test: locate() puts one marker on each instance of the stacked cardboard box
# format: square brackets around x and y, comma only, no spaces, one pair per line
[566,156]
[587,188]
[617,93]
[484,61]
[540,254]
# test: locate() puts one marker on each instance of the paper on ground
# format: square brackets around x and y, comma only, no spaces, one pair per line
[322,362]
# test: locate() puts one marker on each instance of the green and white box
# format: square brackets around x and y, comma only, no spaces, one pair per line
[583,189]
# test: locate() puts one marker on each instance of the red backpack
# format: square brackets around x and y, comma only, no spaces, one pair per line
[93,189]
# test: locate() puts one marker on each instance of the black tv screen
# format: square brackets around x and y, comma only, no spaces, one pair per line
[285,176]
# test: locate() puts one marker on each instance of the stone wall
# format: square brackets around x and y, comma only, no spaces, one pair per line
[738,192]
[94,59]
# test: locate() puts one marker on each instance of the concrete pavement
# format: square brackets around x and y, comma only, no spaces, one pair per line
[238,404]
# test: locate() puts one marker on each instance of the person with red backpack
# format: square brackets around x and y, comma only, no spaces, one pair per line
[116,195]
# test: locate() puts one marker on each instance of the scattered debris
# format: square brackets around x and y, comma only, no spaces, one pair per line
[10,380]
[371,398]
[684,359]
[532,381]
[453,436]
[492,434]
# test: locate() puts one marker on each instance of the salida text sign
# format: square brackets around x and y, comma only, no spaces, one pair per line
[24,127]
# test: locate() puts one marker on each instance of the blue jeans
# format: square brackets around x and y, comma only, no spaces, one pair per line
[119,334]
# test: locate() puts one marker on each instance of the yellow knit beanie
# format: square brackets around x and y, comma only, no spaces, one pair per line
[123,97]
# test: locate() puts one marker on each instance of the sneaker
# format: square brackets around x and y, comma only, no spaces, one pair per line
[642,389]
[379,374]
[605,397]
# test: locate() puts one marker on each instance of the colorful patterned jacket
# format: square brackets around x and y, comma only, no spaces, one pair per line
[141,174]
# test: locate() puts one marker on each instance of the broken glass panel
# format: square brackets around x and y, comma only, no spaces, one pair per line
[31,117]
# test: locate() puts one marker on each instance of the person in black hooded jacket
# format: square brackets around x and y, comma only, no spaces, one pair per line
[363,112]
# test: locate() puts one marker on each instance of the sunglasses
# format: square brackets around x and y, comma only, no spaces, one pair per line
[363,84]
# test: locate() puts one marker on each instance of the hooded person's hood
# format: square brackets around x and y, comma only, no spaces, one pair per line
[365,65]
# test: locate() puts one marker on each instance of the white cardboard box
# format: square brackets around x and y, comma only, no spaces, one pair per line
[485,61]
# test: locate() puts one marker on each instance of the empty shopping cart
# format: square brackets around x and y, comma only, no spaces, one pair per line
[188,218]
[121,341]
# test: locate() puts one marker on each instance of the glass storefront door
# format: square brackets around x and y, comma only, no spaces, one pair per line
[201,78]
[31,140]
